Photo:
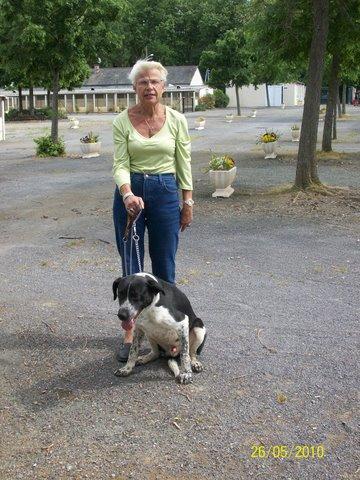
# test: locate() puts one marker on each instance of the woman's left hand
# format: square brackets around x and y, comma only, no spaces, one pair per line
[186,217]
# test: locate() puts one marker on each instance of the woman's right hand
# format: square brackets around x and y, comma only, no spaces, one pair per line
[133,204]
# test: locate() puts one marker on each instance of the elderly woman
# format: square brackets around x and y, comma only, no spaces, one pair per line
[151,162]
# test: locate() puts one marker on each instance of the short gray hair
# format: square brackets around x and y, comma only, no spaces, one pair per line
[143,65]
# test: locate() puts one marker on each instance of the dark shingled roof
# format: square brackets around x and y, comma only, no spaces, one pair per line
[178,75]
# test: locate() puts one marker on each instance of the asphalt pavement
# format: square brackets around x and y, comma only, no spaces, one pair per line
[278,289]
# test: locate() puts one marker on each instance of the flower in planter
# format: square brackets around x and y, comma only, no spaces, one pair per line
[200,123]
[221,162]
[90,138]
[295,127]
[268,137]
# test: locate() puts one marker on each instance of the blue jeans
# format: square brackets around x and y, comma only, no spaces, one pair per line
[161,218]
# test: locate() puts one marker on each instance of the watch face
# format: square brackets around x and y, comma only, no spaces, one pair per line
[189,202]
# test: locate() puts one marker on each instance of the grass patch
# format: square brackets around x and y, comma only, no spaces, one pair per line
[320,155]
[281,189]
[75,243]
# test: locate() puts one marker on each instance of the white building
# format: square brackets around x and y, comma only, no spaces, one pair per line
[110,90]
[290,94]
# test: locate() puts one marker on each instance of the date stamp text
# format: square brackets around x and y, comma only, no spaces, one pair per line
[297,452]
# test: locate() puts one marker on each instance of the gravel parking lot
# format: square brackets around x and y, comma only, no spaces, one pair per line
[275,277]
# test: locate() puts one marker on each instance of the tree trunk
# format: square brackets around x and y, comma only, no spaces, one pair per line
[306,170]
[343,95]
[55,113]
[331,103]
[31,100]
[237,100]
[334,129]
[267,95]
[48,97]
[20,99]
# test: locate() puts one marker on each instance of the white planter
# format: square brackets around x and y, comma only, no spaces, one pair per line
[74,122]
[270,149]
[295,135]
[222,180]
[199,125]
[229,118]
[90,150]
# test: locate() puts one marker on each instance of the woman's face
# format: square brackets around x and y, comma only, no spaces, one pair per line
[149,86]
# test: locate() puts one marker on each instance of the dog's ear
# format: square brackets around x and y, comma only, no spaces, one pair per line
[155,286]
[117,283]
[115,287]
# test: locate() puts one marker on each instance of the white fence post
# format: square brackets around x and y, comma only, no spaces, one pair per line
[2,118]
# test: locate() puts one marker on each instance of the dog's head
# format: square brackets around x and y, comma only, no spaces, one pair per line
[135,292]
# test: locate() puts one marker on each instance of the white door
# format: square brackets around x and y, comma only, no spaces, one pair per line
[275,95]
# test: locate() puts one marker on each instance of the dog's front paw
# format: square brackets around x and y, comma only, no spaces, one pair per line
[122,372]
[185,378]
[197,366]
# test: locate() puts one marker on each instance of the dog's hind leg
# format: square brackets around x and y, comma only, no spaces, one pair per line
[149,357]
[133,355]
[196,340]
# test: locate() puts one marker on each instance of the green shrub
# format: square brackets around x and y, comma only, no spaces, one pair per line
[221,99]
[176,105]
[43,113]
[208,101]
[200,107]
[11,114]
[47,148]
[90,138]
[39,114]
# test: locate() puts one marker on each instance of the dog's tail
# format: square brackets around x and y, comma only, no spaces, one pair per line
[198,351]
[174,367]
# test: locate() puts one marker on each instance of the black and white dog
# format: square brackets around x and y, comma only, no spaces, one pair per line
[164,314]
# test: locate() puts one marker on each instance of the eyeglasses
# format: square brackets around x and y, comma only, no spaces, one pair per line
[144,82]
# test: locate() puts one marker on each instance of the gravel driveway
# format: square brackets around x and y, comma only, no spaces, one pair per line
[275,279]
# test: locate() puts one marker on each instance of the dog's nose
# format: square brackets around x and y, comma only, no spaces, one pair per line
[123,314]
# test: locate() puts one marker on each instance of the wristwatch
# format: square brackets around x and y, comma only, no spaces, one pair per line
[189,202]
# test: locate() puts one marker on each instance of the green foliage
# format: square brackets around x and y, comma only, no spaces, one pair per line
[228,60]
[200,107]
[11,114]
[47,148]
[207,100]
[176,105]
[221,99]
[90,138]
[39,114]
[174,32]
[50,42]
[278,36]
[222,162]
